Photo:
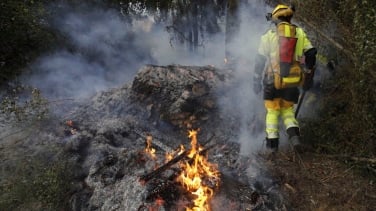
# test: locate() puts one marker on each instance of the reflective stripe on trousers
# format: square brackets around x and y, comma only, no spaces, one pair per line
[272,123]
[274,109]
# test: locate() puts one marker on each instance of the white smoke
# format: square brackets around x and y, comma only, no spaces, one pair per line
[108,50]
[104,51]
[249,105]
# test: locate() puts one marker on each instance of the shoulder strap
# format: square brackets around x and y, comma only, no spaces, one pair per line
[286,29]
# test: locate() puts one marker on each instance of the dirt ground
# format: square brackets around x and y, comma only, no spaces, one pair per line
[318,182]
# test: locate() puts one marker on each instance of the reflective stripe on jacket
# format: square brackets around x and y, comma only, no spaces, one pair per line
[269,46]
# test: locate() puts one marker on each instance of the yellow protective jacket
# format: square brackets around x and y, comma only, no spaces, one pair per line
[269,49]
[269,45]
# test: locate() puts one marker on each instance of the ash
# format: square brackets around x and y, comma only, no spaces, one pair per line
[107,132]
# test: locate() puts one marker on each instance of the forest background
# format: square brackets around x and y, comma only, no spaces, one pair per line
[346,126]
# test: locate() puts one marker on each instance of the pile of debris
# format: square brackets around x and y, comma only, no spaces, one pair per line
[134,153]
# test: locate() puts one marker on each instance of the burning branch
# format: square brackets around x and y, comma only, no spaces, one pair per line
[184,155]
[145,178]
[196,174]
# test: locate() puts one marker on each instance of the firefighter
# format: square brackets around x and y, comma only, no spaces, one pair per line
[279,102]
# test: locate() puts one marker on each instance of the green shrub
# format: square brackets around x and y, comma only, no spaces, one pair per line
[24,35]
[346,124]
[36,184]
[31,108]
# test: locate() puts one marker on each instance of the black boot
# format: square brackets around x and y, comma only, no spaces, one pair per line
[293,131]
[272,144]
[294,139]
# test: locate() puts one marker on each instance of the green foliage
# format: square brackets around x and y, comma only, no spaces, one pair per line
[36,184]
[33,107]
[24,35]
[347,121]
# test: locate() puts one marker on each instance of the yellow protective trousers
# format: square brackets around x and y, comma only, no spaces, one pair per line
[276,108]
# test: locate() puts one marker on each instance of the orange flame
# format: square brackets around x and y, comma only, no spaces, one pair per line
[193,175]
[170,155]
[159,201]
[150,150]
[69,123]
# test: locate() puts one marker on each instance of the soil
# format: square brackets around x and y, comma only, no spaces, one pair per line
[318,182]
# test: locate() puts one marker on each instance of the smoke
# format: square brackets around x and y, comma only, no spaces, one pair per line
[104,49]
[249,106]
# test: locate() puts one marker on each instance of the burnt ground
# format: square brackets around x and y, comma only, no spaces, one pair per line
[312,181]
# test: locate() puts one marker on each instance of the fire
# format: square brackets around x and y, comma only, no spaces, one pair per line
[168,156]
[149,149]
[198,176]
[72,126]
[159,202]
[194,176]
[69,123]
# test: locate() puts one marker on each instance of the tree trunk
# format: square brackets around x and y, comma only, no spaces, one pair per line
[195,29]
[232,26]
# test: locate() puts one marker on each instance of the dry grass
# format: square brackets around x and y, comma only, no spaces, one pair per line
[317,182]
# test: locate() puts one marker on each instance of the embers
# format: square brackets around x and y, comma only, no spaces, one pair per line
[162,192]
[70,128]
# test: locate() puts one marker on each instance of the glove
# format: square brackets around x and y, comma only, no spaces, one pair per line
[308,81]
[256,85]
[269,91]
